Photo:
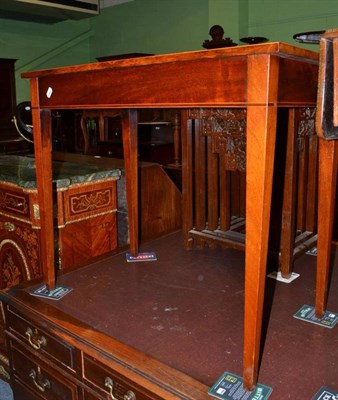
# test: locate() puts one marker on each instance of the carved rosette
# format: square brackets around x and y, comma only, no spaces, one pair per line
[90,201]
[227,128]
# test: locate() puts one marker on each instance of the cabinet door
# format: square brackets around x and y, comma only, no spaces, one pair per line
[19,252]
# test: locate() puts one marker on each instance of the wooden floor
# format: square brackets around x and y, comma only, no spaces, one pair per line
[186,309]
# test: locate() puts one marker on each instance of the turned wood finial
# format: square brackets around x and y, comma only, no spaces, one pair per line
[216,32]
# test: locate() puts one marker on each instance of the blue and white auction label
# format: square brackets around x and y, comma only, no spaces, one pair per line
[326,393]
[308,313]
[230,387]
[55,294]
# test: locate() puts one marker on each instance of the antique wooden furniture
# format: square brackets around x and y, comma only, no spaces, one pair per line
[327,128]
[216,148]
[85,216]
[114,343]
[85,219]
[260,78]
[160,200]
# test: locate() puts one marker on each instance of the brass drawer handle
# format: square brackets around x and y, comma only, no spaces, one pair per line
[9,226]
[130,395]
[108,383]
[34,341]
[43,385]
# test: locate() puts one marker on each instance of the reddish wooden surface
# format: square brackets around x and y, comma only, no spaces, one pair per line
[161,203]
[327,128]
[261,78]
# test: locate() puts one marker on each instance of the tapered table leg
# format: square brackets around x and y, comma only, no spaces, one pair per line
[261,137]
[129,134]
[328,150]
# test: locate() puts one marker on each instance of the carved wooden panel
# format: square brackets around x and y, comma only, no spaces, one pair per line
[227,128]
[305,117]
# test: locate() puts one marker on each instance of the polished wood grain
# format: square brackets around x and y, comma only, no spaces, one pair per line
[260,78]
[94,356]
[327,129]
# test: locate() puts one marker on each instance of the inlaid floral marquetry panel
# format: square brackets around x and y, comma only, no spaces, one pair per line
[89,201]
[14,203]
[19,254]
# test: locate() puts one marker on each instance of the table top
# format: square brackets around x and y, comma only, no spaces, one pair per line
[21,171]
[207,78]
[278,48]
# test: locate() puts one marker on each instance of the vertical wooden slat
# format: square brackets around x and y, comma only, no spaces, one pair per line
[224,195]
[212,190]
[302,179]
[311,204]
[242,191]
[289,199]
[200,178]
[187,178]
[235,193]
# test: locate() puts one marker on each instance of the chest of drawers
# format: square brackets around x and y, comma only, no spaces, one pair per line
[53,356]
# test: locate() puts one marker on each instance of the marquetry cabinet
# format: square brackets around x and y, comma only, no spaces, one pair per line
[84,213]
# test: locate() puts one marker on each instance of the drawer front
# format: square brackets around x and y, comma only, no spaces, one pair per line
[108,382]
[37,339]
[39,378]
[14,203]
[88,201]
[20,391]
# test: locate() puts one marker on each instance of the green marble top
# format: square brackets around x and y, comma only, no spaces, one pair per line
[21,171]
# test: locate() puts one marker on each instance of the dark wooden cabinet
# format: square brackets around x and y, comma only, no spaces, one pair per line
[8,98]
[10,140]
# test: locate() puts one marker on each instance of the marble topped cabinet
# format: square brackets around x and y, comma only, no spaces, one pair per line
[84,215]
